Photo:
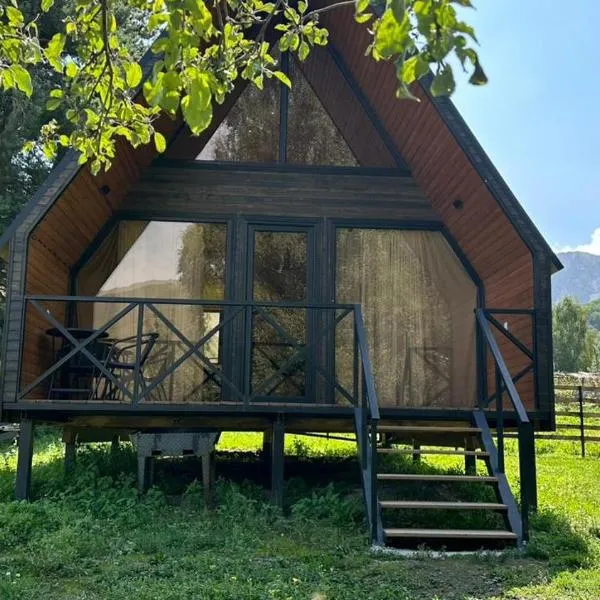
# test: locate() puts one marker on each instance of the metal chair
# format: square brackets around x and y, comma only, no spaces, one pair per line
[122,363]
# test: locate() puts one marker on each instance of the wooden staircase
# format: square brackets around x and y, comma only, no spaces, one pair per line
[471,439]
[396,484]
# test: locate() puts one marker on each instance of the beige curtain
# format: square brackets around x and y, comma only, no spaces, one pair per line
[418,305]
[162,260]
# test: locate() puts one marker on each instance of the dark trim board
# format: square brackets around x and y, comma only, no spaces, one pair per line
[215,165]
[334,418]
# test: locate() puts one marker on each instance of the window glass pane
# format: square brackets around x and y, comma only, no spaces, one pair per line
[313,139]
[280,266]
[418,305]
[162,261]
[250,132]
[280,275]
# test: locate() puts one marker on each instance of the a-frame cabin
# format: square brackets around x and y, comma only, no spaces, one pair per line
[325,259]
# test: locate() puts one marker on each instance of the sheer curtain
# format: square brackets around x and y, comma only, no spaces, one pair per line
[168,260]
[418,304]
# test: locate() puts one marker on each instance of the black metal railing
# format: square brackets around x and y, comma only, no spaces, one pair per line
[504,385]
[366,422]
[266,351]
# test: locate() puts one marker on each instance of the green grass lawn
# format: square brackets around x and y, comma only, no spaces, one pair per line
[89,537]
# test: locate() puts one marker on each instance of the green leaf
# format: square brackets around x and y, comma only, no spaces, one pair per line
[391,37]
[53,103]
[413,69]
[22,79]
[398,10]
[54,50]
[71,70]
[443,83]
[47,5]
[361,6]
[478,77]
[363,18]
[15,16]
[303,51]
[283,78]
[133,74]
[197,104]
[160,142]
[403,93]
[154,92]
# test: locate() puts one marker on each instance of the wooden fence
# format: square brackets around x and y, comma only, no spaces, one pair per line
[580,405]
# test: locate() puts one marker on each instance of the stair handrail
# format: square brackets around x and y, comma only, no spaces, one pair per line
[367,369]
[367,418]
[525,435]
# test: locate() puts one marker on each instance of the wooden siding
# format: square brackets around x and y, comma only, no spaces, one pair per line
[192,192]
[445,174]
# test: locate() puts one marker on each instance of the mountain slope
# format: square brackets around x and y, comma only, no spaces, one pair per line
[579,279]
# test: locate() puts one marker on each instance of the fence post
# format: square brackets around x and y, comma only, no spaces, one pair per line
[581,420]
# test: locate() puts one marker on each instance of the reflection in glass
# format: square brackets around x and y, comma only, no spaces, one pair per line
[313,138]
[280,275]
[163,260]
[250,132]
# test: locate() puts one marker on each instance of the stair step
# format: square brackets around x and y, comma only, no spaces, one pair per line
[418,477]
[410,504]
[428,429]
[477,453]
[480,534]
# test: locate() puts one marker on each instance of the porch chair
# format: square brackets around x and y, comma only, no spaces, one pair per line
[121,363]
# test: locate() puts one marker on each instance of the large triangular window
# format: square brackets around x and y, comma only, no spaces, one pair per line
[257,130]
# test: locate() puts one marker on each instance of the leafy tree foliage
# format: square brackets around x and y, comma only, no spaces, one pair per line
[202,49]
[593,312]
[576,345]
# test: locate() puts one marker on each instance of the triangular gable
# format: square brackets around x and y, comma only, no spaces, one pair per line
[359,96]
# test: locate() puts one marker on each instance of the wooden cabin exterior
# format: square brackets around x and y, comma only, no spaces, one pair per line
[326,259]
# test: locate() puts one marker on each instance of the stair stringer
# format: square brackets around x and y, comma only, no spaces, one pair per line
[504,490]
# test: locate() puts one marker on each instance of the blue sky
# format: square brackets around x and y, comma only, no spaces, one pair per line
[539,116]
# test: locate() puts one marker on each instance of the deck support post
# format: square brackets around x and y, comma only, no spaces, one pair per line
[416,457]
[470,460]
[115,444]
[70,440]
[24,460]
[277,461]
[145,473]
[208,477]
[267,445]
